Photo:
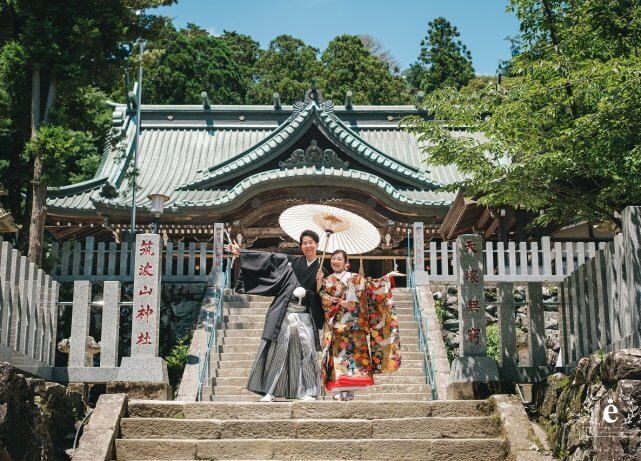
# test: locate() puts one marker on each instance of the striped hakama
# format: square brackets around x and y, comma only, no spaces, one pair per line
[288,367]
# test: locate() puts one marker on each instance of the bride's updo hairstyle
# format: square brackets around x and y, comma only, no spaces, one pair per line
[343,253]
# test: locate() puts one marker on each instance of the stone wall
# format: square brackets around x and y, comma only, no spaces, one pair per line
[595,412]
[448,297]
[37,419]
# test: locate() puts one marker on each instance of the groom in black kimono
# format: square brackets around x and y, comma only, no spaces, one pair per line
[286,364]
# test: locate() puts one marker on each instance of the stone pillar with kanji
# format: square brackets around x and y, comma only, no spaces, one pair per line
[420,274]
[473,368]
[216,277]
[144,363]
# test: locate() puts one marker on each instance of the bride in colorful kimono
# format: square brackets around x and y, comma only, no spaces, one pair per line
[286,363]
[360,335]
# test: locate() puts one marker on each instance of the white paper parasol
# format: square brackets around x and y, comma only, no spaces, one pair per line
[338,229]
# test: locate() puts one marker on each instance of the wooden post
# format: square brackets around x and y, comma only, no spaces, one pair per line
[593,308]
[547,255]
[602,299]
[180,262]
[610,276]
[564,324]
[89,256]
[507,328]
[100,262]
[32,306]
[5,286]
[536,324]
[53,300]
[47,337]
[40,316]
[581,311]
[632,262]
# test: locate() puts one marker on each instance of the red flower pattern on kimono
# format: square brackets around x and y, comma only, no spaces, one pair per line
[356,332]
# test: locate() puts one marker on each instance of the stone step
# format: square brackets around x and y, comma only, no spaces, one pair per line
[254,324]
[234,356]
[415,397]
[299,410]
[251,345]
[232,311]
[244,317]
[246,298]
[215,363]
[376,389]
[230,372]
[409,428]
[247,305]
[406,449]
[230,332]
[241,380]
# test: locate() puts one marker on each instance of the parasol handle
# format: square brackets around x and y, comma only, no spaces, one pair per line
[328,233]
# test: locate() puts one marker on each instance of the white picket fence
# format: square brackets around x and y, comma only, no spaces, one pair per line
[514,262]
[86,260]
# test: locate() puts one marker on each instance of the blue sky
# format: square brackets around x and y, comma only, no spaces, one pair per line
[399,25]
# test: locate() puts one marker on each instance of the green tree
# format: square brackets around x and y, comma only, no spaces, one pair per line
[246,53]
[348,65]
[188,62]
[444,60]
[564,135]
[286,67]
[51,53]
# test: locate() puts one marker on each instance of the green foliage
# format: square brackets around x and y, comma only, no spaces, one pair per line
[348,65]
[287,67]
[493,342]
[177,358]
[79,48]
[440,311]
[444,61]
[53,144]
[192,60]
[564,134]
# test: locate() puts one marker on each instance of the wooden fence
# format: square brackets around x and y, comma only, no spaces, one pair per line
[543,261]
[86,260]
[598,303]
[28,312]
[29,304]
[601,299]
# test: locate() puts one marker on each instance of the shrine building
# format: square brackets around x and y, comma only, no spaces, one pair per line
[242,165]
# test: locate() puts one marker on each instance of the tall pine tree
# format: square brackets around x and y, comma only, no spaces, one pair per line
[444,60]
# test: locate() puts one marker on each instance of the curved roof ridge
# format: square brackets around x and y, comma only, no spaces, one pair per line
[254,152]
[275,175]
[73,189]
[392,163]
[336,129]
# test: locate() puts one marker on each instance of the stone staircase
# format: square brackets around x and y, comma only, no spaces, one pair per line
[239,336]
[402,430]
[394,419]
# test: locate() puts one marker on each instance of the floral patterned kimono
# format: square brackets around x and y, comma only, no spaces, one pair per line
[360,336]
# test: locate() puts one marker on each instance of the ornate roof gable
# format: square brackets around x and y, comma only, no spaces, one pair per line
[322,116]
